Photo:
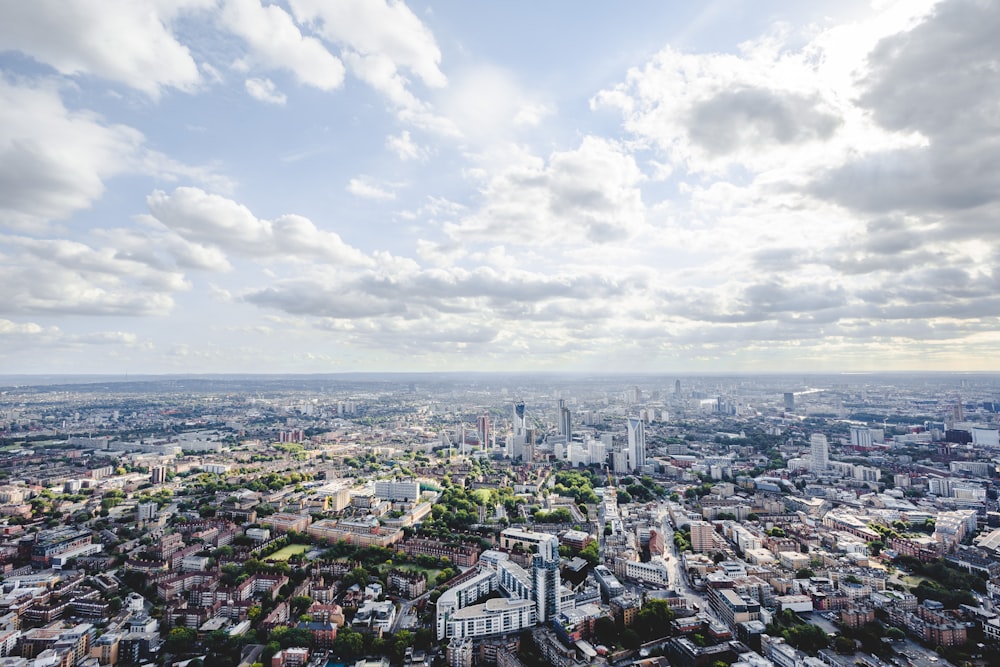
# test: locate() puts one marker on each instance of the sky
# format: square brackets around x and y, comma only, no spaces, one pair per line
[317,186]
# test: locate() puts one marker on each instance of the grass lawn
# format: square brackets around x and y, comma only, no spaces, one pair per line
[913,580]
[428,572]
[285,553]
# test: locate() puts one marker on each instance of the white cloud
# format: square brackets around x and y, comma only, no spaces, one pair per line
[277,43]
[377,28]
[404,146]
[487,103]
[361,187]
[383,41]
[62,277]
[264,90]
[126,41]
[587,195]
[215,221]
[53,162]
[16,337]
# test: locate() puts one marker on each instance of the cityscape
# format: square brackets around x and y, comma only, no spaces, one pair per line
[417,333]
[500,519]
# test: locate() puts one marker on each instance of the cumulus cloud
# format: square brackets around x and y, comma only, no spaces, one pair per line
[55,161]
[488,103]
[389,30]
[709,111]
[404,288]
[399,305]
[587,195]
[62,277]
[215,221]
[276,42]
[404,146]
[20,336]
[264,90]
[362,187]
[755,118]
[126,41]
[383,44]
[938,80]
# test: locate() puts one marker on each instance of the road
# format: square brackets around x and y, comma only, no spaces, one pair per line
[678,579]
[406,616]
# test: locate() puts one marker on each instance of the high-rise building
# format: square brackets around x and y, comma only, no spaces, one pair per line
[565,422]
[483,427]
[677,388]
[146,511]
[701,536]
[158,474]
[861,437]
[406,490]
[545,579]
[619,460]
[519,420]
[819,453]
[789,401]
[636,443]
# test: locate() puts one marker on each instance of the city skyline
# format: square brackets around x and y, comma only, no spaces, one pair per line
[306,187]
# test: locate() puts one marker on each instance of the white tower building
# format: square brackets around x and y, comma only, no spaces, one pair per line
[636,443]
[819,453]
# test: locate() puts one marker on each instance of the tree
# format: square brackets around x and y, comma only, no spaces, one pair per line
[630,638]
[403,640]
[805,573]
[591,553]
[299,604]
[349,644]
[358,575]
[653,620]
[180,640]
[843,645]
[808,638]
[605,631]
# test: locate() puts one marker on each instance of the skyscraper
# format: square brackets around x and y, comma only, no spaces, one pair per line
[701,536]
[565,423]
[545,579]
[483,427]
[636,443]
[819,453]
[529,445]
[789,401]
[519,420]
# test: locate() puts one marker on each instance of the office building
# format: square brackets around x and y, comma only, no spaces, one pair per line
[819,453]
[702,540]
[545,579]
[398,491]
[483,429]
[519,424]
[565,423]
[158,474]
[636,443]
